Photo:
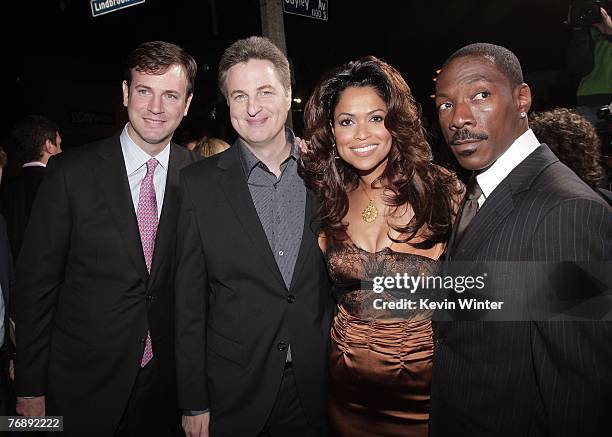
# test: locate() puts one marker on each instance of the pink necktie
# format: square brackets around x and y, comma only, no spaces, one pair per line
[147,225]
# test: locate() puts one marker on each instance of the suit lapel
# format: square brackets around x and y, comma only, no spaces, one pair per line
[111,174]
[310,226]
[167,220]
[489,217]
[501,202]
[234,186]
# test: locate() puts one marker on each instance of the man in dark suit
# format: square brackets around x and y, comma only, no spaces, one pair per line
[95,303]
[37,139]
[530,377]
[252,294]
[6,284]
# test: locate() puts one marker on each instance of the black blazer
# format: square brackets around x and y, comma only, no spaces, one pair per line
[528,378]
[6,276]
[17,199]
[235,316]
[84,299]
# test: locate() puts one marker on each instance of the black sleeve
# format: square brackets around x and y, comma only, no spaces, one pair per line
[39,275]
[573,360]
[192,290]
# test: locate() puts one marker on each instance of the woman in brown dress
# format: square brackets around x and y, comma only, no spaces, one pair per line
[385,209]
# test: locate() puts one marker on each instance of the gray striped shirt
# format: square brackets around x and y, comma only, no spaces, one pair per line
[280,204]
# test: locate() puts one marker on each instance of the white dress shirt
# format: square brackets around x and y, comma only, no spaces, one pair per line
[489,179]
[135,160]
[34,164]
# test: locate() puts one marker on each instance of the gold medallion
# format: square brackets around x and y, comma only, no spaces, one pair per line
[369,213]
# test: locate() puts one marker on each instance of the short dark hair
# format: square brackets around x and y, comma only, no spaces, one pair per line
[573,139]
[504,59]
[254,47]
[155,57]
[30,134]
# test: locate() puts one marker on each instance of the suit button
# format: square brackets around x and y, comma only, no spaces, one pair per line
[282,346]
[149,298]
[291,298]
[142,340]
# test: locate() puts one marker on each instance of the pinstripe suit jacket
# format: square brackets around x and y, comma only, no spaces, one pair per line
[528,378]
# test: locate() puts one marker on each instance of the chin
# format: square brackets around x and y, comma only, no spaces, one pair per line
[473,164]
[369,166]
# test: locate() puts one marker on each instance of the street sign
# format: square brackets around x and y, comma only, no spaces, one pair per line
[101,7]
[307,8]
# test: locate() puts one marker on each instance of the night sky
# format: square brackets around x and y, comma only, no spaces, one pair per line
[61,61]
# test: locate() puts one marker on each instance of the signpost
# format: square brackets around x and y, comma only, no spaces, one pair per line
[307,8]
[101,7]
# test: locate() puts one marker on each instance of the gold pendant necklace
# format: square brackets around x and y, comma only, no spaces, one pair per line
[370,212]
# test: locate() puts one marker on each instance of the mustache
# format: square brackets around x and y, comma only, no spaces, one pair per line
[466,134]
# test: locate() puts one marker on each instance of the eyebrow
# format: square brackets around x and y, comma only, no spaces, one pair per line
[258,89]
[369,113]
[149,88]
[469,81]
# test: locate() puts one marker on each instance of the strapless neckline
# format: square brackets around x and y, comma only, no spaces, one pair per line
[386,249]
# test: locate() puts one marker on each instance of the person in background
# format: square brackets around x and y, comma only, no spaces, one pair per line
[94,302]
[575,142]
[6,287]
[3,161]
[210,146]
[37,139]
[589,59]
[187,139]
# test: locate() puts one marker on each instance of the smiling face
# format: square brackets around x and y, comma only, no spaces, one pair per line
[258,103]
[362,139]
[479,110]
[156,104]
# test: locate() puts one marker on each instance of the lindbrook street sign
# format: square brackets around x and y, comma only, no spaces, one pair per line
[307,8]
[101,7]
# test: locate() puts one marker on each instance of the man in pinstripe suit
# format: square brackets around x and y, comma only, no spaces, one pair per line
[517,378]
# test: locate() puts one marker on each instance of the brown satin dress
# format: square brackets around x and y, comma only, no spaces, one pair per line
[380,361]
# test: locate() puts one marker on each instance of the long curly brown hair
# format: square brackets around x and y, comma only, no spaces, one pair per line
[409,174]
[573,139]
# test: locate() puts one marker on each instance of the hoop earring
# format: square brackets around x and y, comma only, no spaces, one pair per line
[523,114]
[335,151]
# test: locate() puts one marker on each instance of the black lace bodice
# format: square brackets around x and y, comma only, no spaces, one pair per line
[353,270]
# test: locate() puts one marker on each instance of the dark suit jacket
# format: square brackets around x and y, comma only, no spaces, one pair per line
[84,298]
[528,378]
[235,316]
[6,275]
[17,199]
[6,281]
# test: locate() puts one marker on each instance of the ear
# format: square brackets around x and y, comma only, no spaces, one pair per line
[289,99]
[187,104]
[522,96]
[48,147]
[126,93]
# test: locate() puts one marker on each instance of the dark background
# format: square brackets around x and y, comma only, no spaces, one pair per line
[63,63]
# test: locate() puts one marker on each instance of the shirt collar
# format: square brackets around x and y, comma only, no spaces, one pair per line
[33,164]
[249,160]
[135,157]
[520,149]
